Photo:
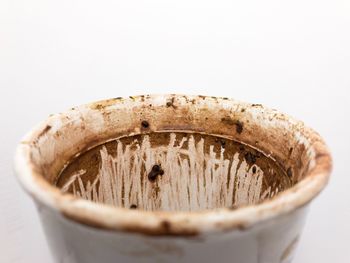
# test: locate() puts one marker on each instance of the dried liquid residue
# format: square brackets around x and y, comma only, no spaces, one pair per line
[173,171]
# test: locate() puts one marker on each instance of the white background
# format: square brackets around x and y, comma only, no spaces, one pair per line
[290,55]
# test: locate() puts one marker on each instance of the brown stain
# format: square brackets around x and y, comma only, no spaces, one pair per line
[166,225]
[239,127]
[230,121]
[290,151]
[251,158]
[145,124]
[254,169]
[155,172]
[163,228]
[44,131]
[220,141]
[101,105]
[289,249]
[171,103]
[240,225]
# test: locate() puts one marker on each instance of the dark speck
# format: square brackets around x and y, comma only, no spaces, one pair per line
[133,206]
[145,124]
[289,172]
[239,127]
[290,151]
[254,169]
[250,158]
[155,172]
[45,130]
[171,103]
[166,225]
[229,121]
[221,141]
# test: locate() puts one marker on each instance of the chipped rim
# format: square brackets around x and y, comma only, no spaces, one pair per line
[166,222]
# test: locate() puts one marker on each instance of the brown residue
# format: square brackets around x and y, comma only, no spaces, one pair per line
[166,225]
[171,103]
[100,105]
[145,124]
[229,121]
[45,130]
[155,172]
[242,226]
[290,151]
[221,141]
[163,229]
[239,127]
[250,158]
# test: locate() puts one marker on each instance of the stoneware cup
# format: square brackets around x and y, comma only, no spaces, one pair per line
[172,178]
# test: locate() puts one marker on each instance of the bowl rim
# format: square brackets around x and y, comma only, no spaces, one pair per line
[167,223]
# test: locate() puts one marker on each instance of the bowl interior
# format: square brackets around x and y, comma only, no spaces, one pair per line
[174,171]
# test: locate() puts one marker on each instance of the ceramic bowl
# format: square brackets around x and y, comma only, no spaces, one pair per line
[172,178]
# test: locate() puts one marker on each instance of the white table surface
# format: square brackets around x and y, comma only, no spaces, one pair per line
[290,55]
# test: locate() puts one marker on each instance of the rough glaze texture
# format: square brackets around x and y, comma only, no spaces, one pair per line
[79,230]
